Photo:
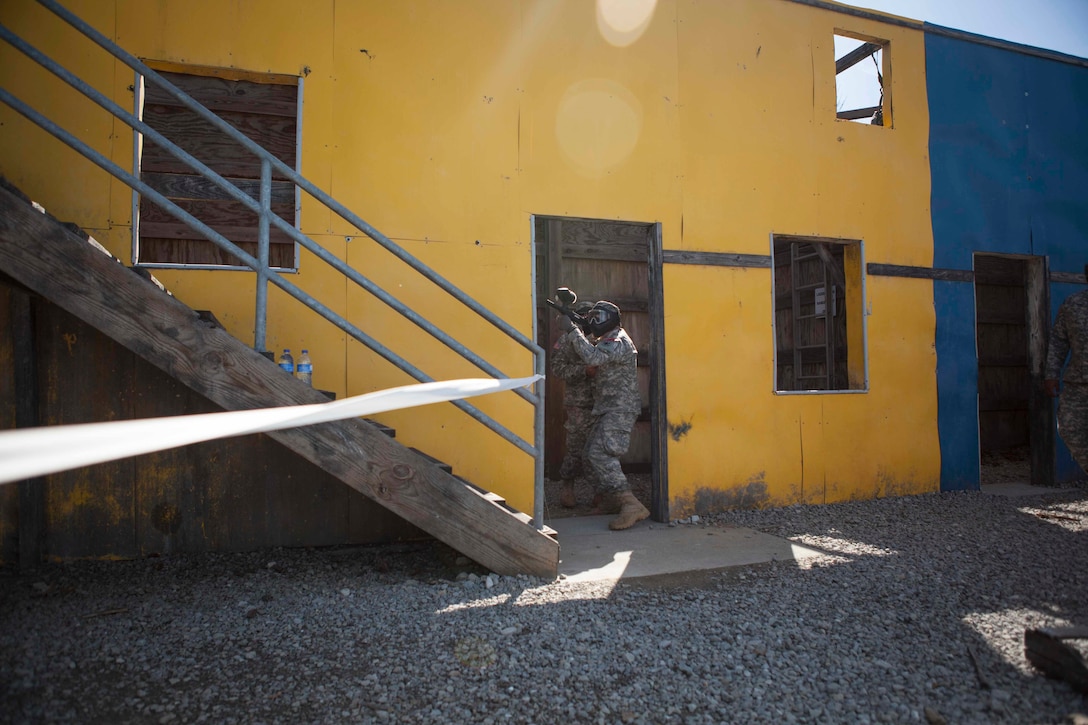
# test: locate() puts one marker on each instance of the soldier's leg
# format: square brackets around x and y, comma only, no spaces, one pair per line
[609,439]
[577,427]
[1073,421]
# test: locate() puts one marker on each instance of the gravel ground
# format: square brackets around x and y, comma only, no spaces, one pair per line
[914,613]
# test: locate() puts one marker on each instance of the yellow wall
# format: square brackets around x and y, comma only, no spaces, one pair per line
[447,125]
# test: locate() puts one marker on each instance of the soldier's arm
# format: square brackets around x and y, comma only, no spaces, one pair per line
[565,363]
[603,353]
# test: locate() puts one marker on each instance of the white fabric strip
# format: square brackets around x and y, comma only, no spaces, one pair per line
[31,452]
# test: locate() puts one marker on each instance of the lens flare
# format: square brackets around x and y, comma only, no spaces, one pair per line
[622,22]
[598,125]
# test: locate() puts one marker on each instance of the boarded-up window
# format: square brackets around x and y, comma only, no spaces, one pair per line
[265,109]
[818,315]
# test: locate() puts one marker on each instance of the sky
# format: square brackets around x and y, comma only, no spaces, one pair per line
[1060,25]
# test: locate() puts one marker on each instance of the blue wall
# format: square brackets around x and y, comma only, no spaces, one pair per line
[1008,150]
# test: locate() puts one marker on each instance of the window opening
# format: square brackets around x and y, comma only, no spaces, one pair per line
[263,107]
[818,320]
[860,80]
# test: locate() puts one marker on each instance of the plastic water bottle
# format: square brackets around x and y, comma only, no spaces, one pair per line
[287,362]
[305,368]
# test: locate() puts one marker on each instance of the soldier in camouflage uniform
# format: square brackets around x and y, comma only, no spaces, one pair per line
[1070,335]
[616,405]
[577,402]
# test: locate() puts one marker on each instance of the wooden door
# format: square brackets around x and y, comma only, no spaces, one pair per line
[618,262]
[1015,420]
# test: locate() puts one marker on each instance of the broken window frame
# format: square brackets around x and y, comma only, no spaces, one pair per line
[834,282]
[881,114]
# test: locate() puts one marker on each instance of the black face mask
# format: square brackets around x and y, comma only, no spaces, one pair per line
[601,321]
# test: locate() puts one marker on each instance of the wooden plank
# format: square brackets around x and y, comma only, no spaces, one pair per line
[1044,648]
[50,260]
[1040,407]
[857,114]
[31,524]
[173,506]
[715,259]
[933,273]
[855,56]
[213,147]
[220,214]
[90,510]
[224,94]
[619,253]
[187,186]
[231,219]
[657,398]
[994,270]
[9,495]
[191,251]
[235,74]
[555,444]
[586,239]
[1068,278]
[237,232]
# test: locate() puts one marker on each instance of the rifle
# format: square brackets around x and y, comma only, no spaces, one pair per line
[565,306]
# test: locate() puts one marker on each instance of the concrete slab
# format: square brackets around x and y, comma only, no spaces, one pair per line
[589,551]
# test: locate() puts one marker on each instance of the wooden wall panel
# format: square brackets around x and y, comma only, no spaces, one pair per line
[84,378]
[9,494]
[239,493]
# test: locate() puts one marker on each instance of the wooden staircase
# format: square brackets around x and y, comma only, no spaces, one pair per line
[54,261]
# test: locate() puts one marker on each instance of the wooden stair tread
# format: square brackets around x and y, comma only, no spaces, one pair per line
[431,459]
[391,432]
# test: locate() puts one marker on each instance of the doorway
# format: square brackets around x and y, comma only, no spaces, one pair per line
[1014,415]
[620,262]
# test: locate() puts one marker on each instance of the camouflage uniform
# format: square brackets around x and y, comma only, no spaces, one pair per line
[577,401]
[1070,335]
[616,404]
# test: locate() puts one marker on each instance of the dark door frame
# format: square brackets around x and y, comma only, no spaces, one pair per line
[545,280]
[1041,423]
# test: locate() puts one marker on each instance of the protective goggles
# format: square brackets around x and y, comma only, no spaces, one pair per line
[599,317]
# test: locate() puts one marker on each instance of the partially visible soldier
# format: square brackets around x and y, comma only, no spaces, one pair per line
[616,405]
[1069,338]
[577,402]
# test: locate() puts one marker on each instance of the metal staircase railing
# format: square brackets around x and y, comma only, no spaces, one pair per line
[268,219]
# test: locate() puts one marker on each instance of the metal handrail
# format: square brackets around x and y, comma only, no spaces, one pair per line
[267,219]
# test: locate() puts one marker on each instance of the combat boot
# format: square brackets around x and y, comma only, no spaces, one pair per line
[631,512]
[567,499]
[604,503]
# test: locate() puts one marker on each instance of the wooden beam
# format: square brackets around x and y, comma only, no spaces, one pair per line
[855,56]
[659,419]
[716,259]
[1040,405]
[24,362]
[857,113]
[1045,649]
[933,273]
[55,263]
[1068,278]
[189,186]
